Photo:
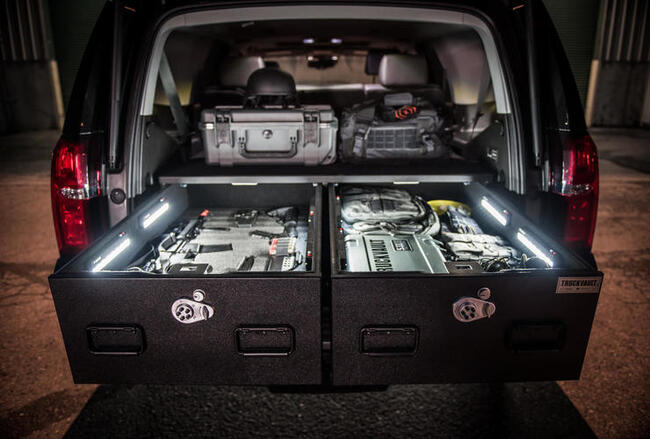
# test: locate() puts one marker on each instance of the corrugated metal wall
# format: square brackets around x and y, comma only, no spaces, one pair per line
[29,83]
[620,72]
[625,30]
[23,31]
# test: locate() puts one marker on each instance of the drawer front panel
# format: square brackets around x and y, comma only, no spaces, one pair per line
[243,331]
[523,331]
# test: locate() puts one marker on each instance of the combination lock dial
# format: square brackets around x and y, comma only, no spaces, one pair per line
[192,311]
[469,309]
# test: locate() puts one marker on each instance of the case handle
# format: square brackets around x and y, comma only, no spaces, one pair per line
[267,134]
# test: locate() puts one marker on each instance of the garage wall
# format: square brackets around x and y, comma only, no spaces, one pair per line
[30,96]
[72,23]
[618,93]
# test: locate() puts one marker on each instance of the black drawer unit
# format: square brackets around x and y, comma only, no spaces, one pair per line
[324,325]
[535,327]
[261,328]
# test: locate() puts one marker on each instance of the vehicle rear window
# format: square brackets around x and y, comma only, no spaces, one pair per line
[325,69]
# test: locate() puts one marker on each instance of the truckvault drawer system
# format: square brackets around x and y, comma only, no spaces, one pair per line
[268,284]
[285,195]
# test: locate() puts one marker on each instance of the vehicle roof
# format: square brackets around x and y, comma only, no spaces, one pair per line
[489,7]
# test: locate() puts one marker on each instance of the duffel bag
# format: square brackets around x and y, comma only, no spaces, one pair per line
[387,210]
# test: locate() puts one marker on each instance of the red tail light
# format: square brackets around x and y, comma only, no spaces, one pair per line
[72,188]
[577,181]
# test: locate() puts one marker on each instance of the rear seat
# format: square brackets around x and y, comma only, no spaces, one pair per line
[396,73]
[410,73]
[233,76]
[339,96]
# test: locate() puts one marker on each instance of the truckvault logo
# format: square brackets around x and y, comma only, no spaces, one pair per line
[380,255]
[578,285]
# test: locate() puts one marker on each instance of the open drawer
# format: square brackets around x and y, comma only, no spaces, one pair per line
[136,307]
[454,321]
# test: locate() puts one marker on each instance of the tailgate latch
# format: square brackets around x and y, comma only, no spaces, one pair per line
[192,311]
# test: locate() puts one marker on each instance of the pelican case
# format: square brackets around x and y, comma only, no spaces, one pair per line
[298,136]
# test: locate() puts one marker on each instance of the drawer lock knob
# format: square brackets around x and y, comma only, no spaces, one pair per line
[191,311]
[469,309]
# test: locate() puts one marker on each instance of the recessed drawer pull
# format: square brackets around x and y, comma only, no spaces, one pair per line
[265,341]
[389,341]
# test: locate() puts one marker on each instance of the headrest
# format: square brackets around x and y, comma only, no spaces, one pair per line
[234,72]
[372,62]
[395,70]
[270,81]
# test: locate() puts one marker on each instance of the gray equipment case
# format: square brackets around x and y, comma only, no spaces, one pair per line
[301,136]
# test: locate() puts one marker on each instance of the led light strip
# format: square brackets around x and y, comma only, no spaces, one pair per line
[499,215]
[521,236]
[151,218]
[105,260]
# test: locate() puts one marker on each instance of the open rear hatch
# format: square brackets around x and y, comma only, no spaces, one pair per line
[230,272]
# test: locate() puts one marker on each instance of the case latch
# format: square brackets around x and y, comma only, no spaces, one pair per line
[222,126]
[312,128]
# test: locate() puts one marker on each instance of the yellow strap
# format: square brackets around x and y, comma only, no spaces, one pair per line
[440,206]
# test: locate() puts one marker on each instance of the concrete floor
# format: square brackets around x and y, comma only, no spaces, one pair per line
[38,398]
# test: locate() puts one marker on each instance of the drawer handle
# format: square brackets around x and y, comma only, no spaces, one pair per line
[389,341]
[115,339]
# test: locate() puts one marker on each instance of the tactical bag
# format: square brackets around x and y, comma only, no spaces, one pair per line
[399,126]
[386,210]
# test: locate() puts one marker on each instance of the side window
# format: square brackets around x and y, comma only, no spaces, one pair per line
[186,54]
[89,102]
[561,107]
[554,105]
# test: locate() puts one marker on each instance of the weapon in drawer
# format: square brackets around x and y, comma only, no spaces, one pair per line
[288,217]
[176,242]
[283,263]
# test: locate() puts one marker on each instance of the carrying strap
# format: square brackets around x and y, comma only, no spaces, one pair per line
[364,118]
[167,81]
[427,126]
[484,88]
